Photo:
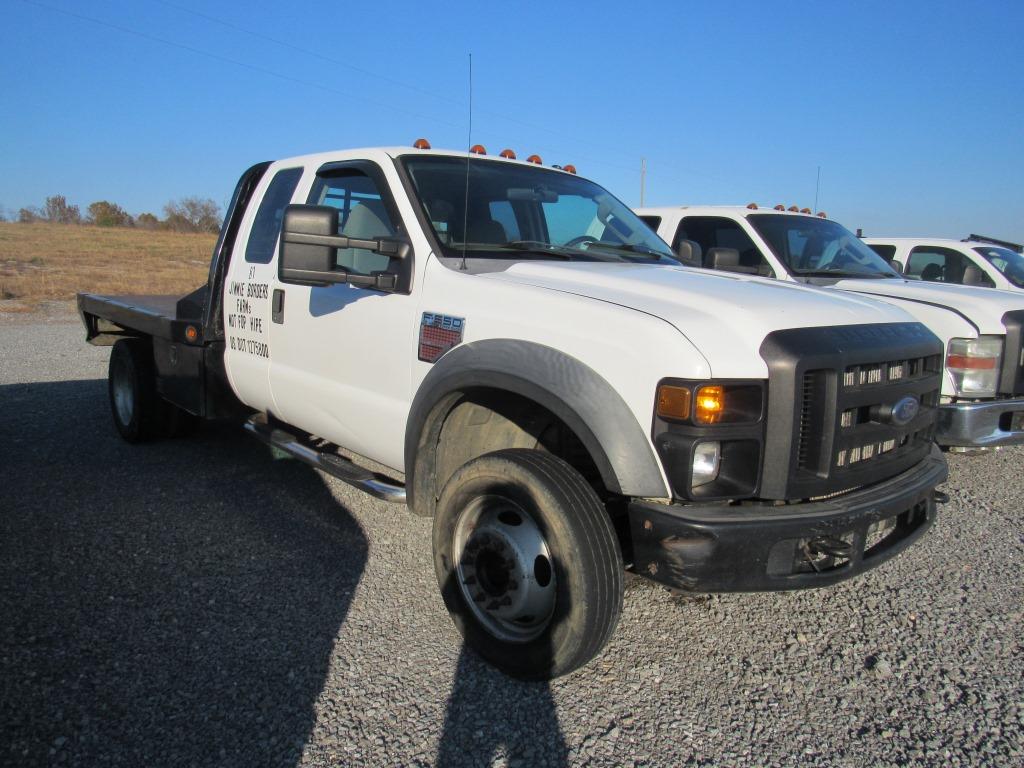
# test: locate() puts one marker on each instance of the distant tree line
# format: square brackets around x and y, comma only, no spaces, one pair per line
[189,214]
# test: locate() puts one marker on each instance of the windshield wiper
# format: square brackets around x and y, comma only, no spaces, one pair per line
[560,251]
[841,273]
[538,246]
[630,247]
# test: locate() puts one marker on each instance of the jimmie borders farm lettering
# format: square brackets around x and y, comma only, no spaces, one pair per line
[245,306]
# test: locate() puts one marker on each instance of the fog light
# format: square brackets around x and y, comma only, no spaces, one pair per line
[706,458]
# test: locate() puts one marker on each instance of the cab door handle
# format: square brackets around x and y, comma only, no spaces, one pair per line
[277,306]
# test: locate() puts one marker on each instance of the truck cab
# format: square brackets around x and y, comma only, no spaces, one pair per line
[982,404]
[507,349]
[954,262]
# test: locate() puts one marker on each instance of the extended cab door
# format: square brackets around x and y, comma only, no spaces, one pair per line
[343,354]
[252,271]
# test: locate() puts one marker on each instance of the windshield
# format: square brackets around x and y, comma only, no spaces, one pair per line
[518,211]
[1010,263]
[819,247]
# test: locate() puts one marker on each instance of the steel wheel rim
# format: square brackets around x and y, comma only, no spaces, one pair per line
[123,392]
[504,569]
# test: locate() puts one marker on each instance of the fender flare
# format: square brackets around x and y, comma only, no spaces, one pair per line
[571,390]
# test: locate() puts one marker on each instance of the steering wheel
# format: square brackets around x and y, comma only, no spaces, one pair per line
[580,240]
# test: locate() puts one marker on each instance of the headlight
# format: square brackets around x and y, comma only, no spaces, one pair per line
[974,365]
[706,459]
[708,404]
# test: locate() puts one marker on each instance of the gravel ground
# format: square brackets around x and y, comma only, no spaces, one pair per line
[197,602]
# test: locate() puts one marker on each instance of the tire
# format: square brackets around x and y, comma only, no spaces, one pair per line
[528,563]
[131,386]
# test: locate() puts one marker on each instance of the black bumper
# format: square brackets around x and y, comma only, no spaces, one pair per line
[758,548]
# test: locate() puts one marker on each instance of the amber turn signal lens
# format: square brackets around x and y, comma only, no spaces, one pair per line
[673,402]
[709,405]
[191,333]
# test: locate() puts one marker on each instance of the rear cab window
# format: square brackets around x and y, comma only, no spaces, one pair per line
[266,227]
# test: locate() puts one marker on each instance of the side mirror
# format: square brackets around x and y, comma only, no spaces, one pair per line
[688,252]
[309,250]
[897,265]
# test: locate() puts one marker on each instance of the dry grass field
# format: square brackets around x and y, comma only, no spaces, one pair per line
[52,262]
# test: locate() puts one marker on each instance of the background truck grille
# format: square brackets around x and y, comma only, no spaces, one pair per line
[1011,379]
[840,424]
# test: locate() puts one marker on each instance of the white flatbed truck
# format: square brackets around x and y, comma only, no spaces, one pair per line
[561,397]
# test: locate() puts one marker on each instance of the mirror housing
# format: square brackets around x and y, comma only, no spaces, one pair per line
[688,252]
[309,250]
[897,265]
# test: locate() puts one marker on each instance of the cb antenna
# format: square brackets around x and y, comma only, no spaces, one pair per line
[469,144]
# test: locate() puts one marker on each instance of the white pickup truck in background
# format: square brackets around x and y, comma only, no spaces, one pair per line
[958,262]
[561,396]
[982,329]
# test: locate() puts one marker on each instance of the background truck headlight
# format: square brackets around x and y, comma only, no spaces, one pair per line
[707,457]
[975,364]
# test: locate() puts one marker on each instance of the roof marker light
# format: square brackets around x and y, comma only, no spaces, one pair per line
[421,144]
[780,207]
[478,149]
[508,154]
[752,206]
[535,159]
[822,214]
[793,209]
[570,169]
[805,210]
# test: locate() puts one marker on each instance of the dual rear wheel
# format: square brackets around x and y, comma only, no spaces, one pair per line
[139,412]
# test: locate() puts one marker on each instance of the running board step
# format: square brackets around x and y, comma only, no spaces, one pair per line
[331,463]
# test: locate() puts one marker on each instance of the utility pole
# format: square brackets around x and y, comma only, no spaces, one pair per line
[643,177]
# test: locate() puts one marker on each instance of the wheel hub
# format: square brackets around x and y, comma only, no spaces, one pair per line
[504,569]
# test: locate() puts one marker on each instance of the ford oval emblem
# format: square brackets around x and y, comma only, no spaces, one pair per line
[905,410]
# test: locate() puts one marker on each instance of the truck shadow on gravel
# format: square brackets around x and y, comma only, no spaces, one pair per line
[491,715]
[174,603]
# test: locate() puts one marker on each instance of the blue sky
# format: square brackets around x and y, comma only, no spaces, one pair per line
[913,110]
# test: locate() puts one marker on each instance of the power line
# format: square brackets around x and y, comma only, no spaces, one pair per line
[245,65]
[393,81]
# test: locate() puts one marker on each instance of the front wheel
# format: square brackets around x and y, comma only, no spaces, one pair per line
[528,563]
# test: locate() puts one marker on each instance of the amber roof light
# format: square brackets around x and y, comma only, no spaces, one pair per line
[421,144]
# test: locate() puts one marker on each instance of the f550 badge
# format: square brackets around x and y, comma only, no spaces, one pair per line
[438,334]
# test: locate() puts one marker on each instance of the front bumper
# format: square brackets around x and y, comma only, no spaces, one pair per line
[981,425]
[766,548]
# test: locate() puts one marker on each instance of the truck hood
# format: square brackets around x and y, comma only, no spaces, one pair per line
[981,307]
[726,317]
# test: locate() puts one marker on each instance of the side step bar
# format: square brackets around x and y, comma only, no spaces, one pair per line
[331,463]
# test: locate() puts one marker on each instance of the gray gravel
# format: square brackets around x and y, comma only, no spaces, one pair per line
[198,602]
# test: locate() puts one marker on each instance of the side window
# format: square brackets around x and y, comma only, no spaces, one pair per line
[718,232]
[361,214]
[266,227]
[887,252]
[937,265]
